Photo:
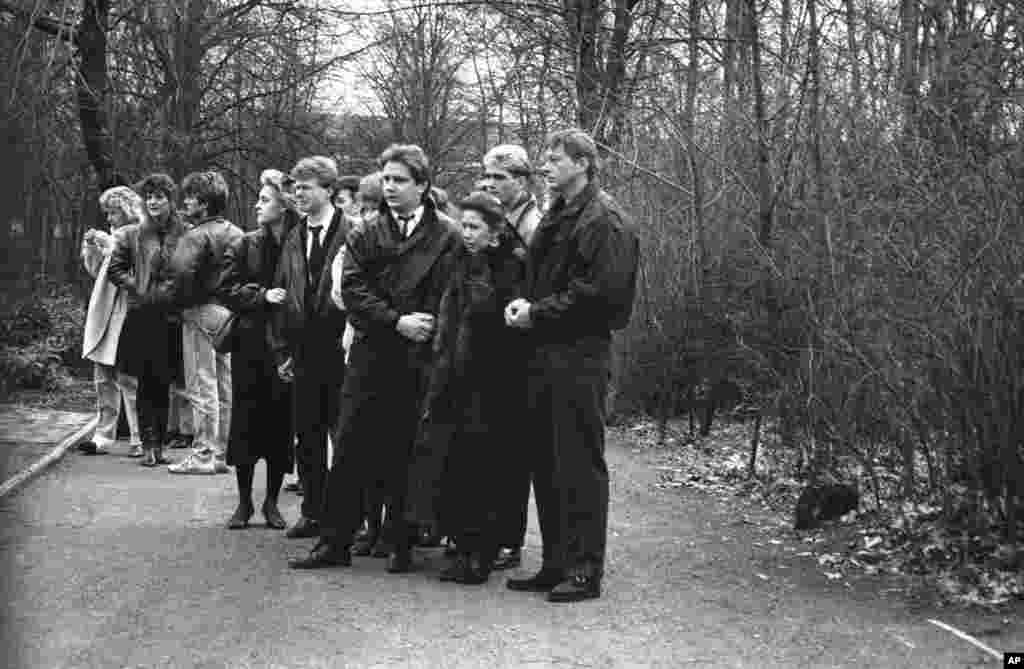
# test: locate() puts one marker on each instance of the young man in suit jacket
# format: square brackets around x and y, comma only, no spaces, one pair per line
[396,267]
[307,330]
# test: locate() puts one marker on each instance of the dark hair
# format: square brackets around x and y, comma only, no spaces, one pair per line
[413,158]
[209,188]
[156,183]
[577,144]
[487,206]
[350,183]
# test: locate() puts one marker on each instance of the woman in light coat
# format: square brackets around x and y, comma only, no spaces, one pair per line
[103,323]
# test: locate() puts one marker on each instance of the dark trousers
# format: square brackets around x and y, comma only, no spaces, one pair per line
[566,411]
[377,420]
[315,397]
[513,517]
[152,403]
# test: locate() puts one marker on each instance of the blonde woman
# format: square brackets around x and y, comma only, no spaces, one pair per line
[103,323]
[261,425]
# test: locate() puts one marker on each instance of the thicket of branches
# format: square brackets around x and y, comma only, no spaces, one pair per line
[829,191]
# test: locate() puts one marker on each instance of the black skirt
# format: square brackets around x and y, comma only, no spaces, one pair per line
[261,408]
[150,345]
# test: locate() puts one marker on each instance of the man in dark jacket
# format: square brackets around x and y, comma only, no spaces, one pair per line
[581,281]
[507,175]
[396,268]
[197,268]
[307,329]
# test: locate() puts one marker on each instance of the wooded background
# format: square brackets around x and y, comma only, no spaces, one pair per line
[829,191]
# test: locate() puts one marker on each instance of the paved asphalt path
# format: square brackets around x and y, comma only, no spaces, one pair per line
[107,564]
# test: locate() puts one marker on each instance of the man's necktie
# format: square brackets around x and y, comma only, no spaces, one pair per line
[316,255]
[404,223]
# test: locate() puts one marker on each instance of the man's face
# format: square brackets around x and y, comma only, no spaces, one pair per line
[401,192]
[561,171]
[193,208]
[475,232]
[502,184]
[310,196]
[157,205]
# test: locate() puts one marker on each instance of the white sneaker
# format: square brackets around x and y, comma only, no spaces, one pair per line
[195,463]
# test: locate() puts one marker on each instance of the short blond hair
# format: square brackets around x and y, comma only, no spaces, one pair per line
[280,183]
[321,168]
[125,199]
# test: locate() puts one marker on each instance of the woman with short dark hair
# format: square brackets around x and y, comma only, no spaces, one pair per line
[150,344]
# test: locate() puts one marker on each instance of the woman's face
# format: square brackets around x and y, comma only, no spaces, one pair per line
[158,206]
[476,234]
[268,206]
[115,216]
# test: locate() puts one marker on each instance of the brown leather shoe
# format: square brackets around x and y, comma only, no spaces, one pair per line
[304,528]
[323,555]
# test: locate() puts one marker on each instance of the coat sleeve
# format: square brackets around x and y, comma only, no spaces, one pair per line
[601,275]
[277,324]
[235,290]
[183,287]
[365,304]
[122,263]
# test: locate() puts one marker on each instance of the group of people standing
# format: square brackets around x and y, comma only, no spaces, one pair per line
[451,363]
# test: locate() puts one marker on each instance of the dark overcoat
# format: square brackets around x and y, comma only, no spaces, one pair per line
[261,417]
[140,265]
[385,276]
[471,399]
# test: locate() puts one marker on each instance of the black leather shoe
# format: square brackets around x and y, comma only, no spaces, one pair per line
[576,589]
[508,558]
[543,581]
[478,569]
[272,515]
[324,555]
[304,528]
[455,570]
[240,518]
[380,549]
[400,562]
[362,548]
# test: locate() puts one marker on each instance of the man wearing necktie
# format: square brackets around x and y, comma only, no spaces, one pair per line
[307,329]
[395,268]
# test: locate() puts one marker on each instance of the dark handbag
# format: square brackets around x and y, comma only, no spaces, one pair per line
[219,323]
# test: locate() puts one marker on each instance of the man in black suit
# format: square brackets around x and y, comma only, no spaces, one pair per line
[396,267]
[307,330]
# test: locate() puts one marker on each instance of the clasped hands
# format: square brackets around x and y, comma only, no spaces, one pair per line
[517,314]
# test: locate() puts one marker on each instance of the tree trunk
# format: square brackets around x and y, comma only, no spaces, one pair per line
[91,89]
[909,20]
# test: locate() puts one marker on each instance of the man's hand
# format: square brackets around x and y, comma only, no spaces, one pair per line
[417,327]
[517,314]
[275,295]
[285,371]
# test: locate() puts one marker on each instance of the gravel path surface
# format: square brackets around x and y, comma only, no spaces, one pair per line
[107,564]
